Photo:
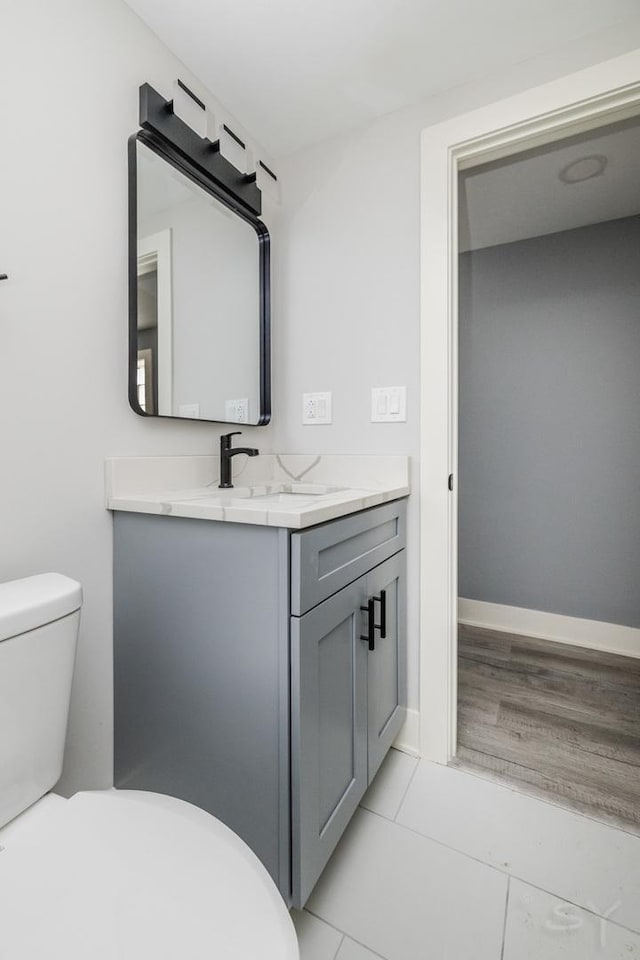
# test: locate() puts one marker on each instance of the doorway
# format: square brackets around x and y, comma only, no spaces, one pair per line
[594,98]
[549,461]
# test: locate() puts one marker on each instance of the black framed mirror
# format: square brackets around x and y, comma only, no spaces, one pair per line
[199,292]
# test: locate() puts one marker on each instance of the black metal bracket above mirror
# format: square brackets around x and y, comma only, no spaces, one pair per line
[157,116]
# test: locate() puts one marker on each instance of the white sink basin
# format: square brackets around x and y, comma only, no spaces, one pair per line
[296,493]
[276,493]
[285,498]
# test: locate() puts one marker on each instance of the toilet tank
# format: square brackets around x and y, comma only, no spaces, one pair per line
[39,619]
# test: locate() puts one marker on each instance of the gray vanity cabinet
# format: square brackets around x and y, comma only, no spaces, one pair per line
[241,680]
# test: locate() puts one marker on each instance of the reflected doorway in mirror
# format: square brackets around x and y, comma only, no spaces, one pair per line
[155,322]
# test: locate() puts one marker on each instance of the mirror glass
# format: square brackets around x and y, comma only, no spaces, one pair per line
[199,300]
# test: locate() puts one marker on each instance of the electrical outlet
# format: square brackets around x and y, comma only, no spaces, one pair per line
[316,408]
[388,404]
[237,411]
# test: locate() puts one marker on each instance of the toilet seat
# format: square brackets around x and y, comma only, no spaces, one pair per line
[126,875]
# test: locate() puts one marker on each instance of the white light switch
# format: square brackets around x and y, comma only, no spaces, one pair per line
[316,408]
[388,404]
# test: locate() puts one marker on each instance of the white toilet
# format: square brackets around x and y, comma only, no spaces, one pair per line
[115,874]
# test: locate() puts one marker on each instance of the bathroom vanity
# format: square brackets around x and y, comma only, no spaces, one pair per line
[260,652]
[259,618]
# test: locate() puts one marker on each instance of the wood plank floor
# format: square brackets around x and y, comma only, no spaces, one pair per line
[562,720]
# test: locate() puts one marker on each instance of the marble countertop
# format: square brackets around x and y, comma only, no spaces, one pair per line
[276,490]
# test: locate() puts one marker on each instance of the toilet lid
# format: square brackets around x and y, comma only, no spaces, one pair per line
[124,875]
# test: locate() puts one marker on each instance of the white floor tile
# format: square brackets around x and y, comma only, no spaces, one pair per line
[542,927]
[317,940]
[577,859]
[407,898]
[350,950]
[385,794]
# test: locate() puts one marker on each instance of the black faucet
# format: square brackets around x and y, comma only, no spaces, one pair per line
[226,452]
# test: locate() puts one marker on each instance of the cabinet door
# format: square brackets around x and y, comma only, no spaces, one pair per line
[328,729]
[387,670]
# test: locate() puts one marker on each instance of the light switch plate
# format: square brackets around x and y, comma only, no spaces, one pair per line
[388,404]
[316,408]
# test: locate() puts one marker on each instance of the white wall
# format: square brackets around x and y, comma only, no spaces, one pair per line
[69,76]
[348,282]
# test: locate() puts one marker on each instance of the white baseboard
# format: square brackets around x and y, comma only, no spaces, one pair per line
[408,740]
[608,637]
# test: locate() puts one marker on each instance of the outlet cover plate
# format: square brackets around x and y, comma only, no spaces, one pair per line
[237,411]
[316,408]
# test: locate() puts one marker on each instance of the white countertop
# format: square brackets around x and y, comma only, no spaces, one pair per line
[275,490]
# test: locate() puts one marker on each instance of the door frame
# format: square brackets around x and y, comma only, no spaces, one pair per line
[581,101]
[155,253]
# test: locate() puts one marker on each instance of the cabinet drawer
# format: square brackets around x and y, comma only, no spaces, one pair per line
[326,558]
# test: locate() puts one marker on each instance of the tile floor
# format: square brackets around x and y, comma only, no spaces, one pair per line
[442,864]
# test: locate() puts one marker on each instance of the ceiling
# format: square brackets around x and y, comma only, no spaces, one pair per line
[524,197]
[295,72]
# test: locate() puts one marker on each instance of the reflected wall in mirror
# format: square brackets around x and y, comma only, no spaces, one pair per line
[199,295]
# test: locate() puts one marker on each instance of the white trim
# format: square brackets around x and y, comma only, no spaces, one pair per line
[154,251]
[577,102]
[593,634]
[408,740]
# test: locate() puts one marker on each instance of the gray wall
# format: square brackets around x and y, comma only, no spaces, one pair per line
[550,423]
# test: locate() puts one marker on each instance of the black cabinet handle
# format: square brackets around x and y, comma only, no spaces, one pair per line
[370,636]
[382,627]
[3,276]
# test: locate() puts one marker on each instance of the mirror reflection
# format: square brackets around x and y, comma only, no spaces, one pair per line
[198,334]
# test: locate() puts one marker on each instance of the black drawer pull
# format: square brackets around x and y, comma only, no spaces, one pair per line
[382,627]
[370,636]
